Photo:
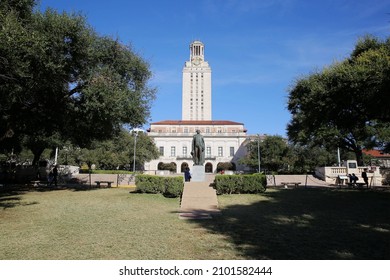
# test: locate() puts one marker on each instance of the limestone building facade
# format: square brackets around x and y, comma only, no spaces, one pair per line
[224,139]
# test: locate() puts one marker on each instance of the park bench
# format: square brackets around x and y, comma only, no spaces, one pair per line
[104,182]
[359,185]
[291,184]
[38,183]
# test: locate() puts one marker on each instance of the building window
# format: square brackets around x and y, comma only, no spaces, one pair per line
[232,151]
[161,151]
[208,151]
[184,151]
[220,151]
[207,130]
[173,151]
[185,130]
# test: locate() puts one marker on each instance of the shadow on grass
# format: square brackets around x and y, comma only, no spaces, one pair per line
[10,195]
[308,224]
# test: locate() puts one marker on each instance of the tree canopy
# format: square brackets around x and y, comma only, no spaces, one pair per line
[116,153]
[61,81]
[346,104]
[278,155]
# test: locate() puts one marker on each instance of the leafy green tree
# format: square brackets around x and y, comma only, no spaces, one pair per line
[303,159]
[60,81]
[277,155]
[273,154]
[345,104]
[116,153]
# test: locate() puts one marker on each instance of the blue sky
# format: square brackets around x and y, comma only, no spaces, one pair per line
[256,48]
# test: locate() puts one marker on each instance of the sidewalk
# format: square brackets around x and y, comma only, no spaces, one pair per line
[199,201]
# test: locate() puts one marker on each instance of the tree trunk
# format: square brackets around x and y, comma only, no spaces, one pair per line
[359,156]
[37,155]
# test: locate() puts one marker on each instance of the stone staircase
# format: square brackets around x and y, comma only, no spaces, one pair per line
[199,201]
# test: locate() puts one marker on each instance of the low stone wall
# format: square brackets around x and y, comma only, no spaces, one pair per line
[331,175]
[117,179]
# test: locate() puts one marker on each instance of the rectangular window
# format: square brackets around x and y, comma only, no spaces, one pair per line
[220,151]
[173,151]
[208,151]
[161,151]
[232,151]
[184,151]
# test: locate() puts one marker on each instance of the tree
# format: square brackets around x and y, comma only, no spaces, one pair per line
[116,153]
[303,159]
[273,154]
[345,104]
[60,81]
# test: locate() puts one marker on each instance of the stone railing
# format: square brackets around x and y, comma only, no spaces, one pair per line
[331,174]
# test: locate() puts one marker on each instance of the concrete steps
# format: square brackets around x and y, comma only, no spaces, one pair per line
[199,201]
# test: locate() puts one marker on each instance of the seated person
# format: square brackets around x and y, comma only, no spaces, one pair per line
[353,178]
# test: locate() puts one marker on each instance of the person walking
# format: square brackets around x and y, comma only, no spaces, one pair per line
[365,177]
[187,175]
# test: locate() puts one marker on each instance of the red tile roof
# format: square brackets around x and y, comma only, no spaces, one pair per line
[376,153]
[190,122]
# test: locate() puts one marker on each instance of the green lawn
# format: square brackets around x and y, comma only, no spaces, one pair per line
[114,224]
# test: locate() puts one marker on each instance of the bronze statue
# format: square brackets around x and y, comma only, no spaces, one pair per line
[198,148]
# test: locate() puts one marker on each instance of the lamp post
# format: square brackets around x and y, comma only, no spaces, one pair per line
[135,132]
[258,150]
[338,156]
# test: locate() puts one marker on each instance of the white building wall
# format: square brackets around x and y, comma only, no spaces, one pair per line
[212,140]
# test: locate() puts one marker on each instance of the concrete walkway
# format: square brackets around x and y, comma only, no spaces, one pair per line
[199,201]
[305,180]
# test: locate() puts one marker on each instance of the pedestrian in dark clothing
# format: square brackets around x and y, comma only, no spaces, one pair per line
[365,177]
[187,175]
[55,175]
[353,179]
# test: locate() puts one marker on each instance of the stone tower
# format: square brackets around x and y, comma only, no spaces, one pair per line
[196,92]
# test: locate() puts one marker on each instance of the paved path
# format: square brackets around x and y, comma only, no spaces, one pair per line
[308,180]
[199,201]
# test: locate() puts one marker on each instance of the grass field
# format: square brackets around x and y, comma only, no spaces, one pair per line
[116,224]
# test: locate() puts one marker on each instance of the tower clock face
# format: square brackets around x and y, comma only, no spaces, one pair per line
[196,61]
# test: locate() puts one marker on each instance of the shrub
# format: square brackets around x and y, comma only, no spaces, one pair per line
[168,186]
[167,166]
[225,166]
[229,184]
[173,186]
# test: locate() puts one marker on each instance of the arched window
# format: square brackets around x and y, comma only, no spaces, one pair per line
[183,167]
[208,168]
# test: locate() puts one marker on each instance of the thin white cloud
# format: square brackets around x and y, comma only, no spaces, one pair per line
[166,77]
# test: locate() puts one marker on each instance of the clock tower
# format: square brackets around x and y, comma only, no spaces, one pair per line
[196,92]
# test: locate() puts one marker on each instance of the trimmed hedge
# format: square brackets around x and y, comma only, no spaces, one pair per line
[230,184]
[168,186]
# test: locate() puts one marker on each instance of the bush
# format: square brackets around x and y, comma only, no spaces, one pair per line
[173,186]
[225,166]
[167,166]
[168,186]
[230,184]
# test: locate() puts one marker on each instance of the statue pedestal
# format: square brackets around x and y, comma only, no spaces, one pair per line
[197,173]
